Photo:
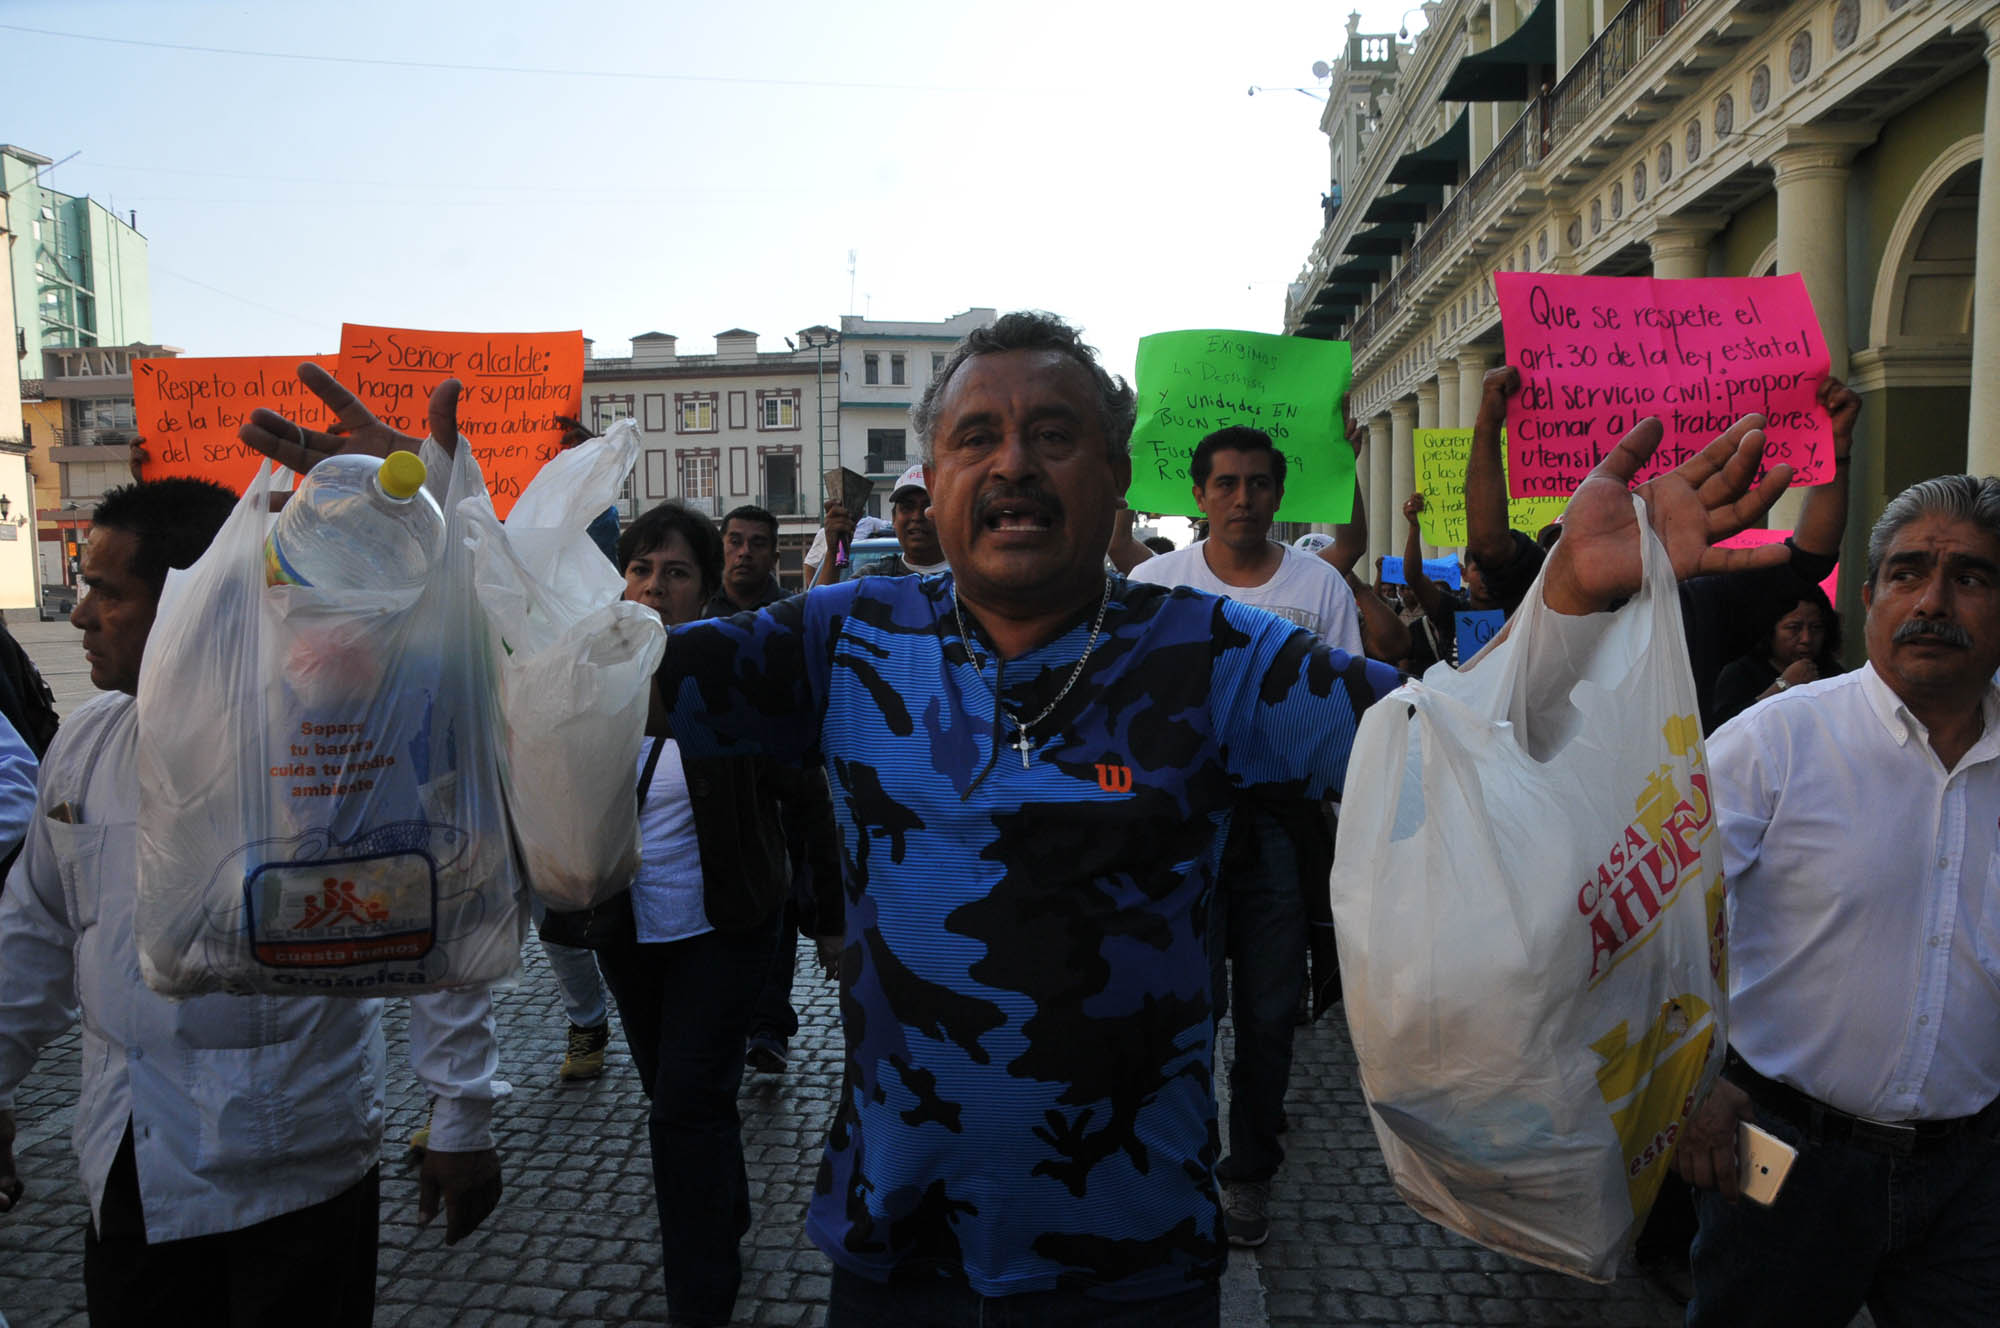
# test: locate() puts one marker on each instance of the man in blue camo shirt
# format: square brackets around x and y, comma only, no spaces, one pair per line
[1033,763]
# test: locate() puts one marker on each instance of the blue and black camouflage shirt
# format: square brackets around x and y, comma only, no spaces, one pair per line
[1028,1099]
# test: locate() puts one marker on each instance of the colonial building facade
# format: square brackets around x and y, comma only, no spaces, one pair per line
[885,366]
[717,431]
[1844,140]
[80,429]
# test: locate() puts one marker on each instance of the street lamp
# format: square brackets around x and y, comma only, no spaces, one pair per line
[819,339]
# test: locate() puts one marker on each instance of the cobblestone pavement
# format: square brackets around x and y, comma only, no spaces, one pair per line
[576,1241]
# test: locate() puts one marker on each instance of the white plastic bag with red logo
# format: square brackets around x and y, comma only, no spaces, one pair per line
[575,666]
[1532,941]
[320,806]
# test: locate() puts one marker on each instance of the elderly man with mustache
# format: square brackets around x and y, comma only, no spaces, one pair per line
[1860,819]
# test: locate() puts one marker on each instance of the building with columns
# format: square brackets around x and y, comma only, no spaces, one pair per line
[1840,139]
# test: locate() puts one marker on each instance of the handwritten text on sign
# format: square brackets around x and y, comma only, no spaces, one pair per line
[1442,455]
[1193,383]
[188,411]
[1599,354]
[1475,628]
[515,386]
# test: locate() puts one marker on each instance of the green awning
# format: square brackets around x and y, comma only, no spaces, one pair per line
[1363,268]
[1336,293]
[1388,238]
[1411,203]
[1513,68]
[1438,161]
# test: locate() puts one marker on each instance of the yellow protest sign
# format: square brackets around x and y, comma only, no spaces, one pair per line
[1442,455]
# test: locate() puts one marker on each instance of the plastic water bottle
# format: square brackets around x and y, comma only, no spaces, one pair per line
[357,522]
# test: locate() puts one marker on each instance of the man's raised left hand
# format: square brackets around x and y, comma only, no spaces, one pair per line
[468,1185]
[1709,497]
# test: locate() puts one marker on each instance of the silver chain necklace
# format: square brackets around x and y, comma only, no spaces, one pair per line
[1023,743]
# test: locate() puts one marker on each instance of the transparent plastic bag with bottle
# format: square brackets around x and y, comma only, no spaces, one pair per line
[321,807]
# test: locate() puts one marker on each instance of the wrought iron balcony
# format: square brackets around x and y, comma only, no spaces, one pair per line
[1548,126]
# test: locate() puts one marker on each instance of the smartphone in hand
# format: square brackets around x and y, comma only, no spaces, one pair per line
[1762,1162]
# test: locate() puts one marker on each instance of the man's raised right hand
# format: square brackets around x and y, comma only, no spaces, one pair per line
[299,449]
[11,1187]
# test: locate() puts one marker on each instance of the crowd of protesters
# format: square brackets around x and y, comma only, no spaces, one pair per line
[1052,801]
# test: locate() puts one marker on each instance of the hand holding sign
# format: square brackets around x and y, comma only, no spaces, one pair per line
[1599,354]
[1442,456]
[355,428]
[1444,571]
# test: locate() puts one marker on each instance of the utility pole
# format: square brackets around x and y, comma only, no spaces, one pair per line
[819,341]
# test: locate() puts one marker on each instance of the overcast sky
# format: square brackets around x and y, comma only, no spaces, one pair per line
[686,167]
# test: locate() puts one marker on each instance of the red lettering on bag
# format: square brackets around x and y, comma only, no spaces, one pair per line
[1639,875]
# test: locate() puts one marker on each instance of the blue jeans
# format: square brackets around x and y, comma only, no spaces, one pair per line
[685,1006]
[1258,923]
[940,1302]
[1916,1239]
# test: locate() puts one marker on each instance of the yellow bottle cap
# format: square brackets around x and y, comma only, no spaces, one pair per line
[402,474]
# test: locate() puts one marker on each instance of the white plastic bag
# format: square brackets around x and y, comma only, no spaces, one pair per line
[1532,950]
[320,802]
[574,663]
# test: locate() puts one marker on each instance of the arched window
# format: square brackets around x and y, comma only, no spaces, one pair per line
[1931,302]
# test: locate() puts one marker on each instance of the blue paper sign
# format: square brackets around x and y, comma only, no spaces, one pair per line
[1475,628]
[1444,571]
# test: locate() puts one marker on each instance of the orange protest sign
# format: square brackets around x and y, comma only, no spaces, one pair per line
[516,383]
[188,411]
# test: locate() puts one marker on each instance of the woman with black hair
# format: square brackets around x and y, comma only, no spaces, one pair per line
[706,908]
[1800,642]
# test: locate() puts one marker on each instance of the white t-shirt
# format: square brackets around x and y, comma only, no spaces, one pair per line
[868,527]
[667,898]
[1305,590]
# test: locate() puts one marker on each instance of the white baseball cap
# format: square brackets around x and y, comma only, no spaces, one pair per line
[1312,541]
[913,478]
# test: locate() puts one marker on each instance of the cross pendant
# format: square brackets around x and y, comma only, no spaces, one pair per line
[1024,745]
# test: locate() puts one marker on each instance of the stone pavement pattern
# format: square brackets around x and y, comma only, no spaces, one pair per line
[575,1239]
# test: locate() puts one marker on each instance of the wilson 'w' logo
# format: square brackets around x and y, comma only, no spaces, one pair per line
[1114,778]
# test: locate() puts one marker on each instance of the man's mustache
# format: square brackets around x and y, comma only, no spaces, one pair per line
[1022,498]
[1948,632]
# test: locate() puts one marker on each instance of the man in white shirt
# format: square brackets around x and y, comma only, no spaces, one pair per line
[1276,853]
[229,1144]
[1239,482]
[910,513]
[1860,821]
[17,787]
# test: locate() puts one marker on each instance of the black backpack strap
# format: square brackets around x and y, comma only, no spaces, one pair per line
[646,775]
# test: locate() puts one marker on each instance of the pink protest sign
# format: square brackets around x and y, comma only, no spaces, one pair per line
[1752,539]
[1599,354]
